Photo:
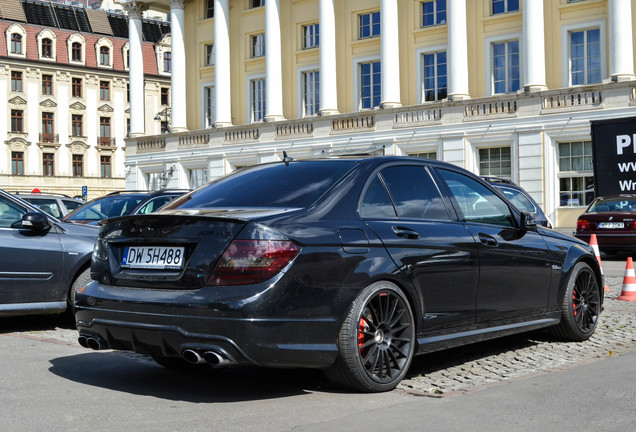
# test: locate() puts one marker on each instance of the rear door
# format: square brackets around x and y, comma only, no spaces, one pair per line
[515,265]
[437,253]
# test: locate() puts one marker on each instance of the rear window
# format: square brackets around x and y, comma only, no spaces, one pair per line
[622,204]
[274,185]
[118,205]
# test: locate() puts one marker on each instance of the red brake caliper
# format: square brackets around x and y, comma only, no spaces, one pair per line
[361,327]
[574,301]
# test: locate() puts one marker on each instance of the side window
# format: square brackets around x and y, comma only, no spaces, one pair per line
[476,202]
[9,213]
[414,193]
[376,202]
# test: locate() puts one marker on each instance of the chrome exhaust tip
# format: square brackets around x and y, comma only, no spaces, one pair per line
[82,340]
[192,357]
[94,343]
[214,358]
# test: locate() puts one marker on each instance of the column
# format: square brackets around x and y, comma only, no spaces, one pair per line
[457,51]
[390,54]
[621,47]
[534,47]
[178,119]
[328,81]
[136,68]
[222,89]
[273,63]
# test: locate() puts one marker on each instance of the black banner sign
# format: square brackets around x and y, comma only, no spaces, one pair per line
[614,152]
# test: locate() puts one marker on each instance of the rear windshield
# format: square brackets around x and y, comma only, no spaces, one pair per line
[274,185]
[622,204]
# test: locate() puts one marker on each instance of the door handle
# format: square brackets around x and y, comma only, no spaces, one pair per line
[487,240]
[405,232]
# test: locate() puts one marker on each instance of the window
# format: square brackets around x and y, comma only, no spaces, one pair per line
[167,61]
[435,78]
[17,163]
[585,57]
[47,48]
[256,3]
[209,9]
[76,125]
[47,128]
[425,155]
[258,99]
[164,96]
[16,43]
[104,56]
[48,163]
[311,36]
[197,177]
[17,121]
[504,6]
[369,25]
[16,81]
[477,203]
[506,78]
[78,165]
[576,173]
[76,87]
[104,165]
[209,55]
[47,84]
[433,13]
[311,92]
[104,90]
[104,131]
[495,161]
[154,181]
[258,45]
[370,85]
[76,52]
[208,105]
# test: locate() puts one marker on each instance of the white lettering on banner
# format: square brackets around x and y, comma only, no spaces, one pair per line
[627,185]
[624,141]
[627,166]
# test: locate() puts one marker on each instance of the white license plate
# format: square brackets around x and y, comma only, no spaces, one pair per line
[153,257]
[612,225]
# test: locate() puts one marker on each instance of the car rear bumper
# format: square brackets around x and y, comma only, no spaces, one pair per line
[167,323]
[611,241]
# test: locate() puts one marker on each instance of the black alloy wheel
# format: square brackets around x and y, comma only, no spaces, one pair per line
[377,340]
[581,305]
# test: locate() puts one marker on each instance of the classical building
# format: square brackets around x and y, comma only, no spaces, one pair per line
[64,74]
[500,87]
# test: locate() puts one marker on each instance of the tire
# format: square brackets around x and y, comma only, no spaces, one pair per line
[376,341]
[581,305]
[82,279]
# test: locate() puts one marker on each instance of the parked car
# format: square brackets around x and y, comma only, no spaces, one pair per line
[349,265]
[122,203]
[42,260]
[520,198]
[612,219]
[57,205]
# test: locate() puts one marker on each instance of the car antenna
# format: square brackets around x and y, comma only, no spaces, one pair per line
[287,159]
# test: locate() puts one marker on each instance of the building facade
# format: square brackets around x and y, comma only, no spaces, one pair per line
[64,83]
[500,87]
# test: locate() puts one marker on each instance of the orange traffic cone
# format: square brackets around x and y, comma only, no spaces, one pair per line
[594,244]
[629,282]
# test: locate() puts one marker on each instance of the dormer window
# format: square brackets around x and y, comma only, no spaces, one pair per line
[104,50]
[15,39]
[16,43]
[47,48]
[167,61]
[76,52]
[76,48]
[104,56]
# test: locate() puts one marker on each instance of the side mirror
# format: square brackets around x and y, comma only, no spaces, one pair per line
[527,221]
[35,221]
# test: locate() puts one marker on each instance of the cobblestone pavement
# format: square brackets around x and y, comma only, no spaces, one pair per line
[460,369]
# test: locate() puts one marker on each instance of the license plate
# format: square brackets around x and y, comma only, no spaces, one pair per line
[153,257]
[612,225]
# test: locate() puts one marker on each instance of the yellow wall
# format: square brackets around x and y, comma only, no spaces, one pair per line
[245,22]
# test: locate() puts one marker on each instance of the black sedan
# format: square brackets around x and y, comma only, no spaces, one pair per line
[613,220]
[352,266]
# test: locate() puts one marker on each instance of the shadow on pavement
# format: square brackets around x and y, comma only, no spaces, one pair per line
[35,322]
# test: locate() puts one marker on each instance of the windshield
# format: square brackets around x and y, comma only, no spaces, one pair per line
[618,204]
[110,206]
[273,185]
[519,200]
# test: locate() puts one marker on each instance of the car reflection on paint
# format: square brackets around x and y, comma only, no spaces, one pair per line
[349,265]
[612,219]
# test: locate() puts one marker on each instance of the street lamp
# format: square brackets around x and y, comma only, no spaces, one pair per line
[163,115]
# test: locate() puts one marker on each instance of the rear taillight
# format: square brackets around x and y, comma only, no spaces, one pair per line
[582,224]
[252,261]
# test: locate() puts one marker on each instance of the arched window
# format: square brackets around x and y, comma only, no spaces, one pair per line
[47,48]
[76,52]
[104,56]
[16,43]
[167,60]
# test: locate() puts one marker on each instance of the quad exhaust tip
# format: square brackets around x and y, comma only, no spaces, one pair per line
[90,342]
[213,358]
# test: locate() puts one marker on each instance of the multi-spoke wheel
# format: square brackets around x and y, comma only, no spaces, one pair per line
[581,305]
[377,340]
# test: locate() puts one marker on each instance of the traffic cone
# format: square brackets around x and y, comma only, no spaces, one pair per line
[594,244]
[629,282]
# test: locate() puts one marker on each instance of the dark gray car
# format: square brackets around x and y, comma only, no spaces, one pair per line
[42,260]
